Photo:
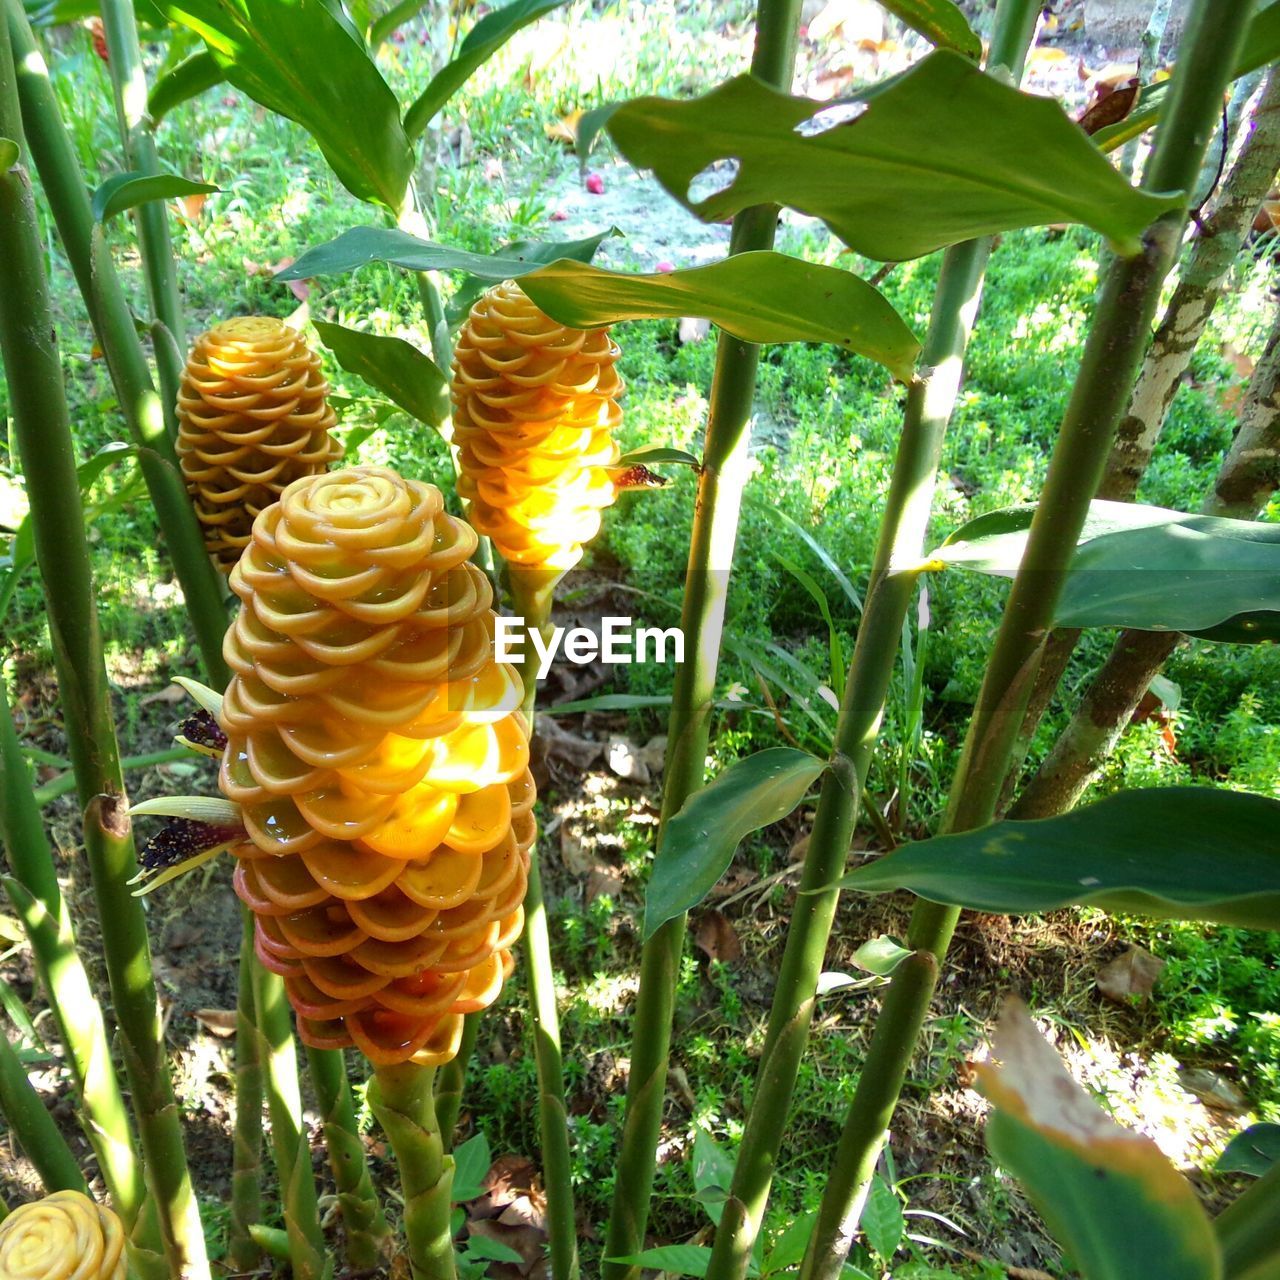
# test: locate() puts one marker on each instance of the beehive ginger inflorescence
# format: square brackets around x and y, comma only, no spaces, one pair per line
[535,408]
[380,761]
[65,1236]
[253,416]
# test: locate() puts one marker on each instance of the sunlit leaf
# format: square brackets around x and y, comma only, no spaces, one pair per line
[699,842]
[940,154]
[1108,1195]
[307,61]
[675,1259]
[190,78]
[397,368]
[482,42]
[124,191]
[1186,853]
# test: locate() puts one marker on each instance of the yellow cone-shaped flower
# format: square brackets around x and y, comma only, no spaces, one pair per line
[535,406]
[65,1236]
[253,417]
[380,760]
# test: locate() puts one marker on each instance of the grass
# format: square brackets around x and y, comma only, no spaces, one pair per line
[827,425]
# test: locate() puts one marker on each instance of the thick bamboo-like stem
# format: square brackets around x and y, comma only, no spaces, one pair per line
[288,1133]
[895,569]
[1248,1229]
[402,1099]
[30,1122]
[43,431]
[1249,474]
[33,889]
[129,81]
[1204,273]
[532,592]
[362,1219]
[715,531]
[243,1252]
[1120,331]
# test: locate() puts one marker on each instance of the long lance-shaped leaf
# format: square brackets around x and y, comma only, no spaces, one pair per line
[940,22]
[30,1122]
[482,42]
[759,297]
[698,843]
[129,190]
[397,368]
[306,61]
[1109,1196]
[190,78]
[42,428]
[1189,853]
[940,154]
[1146,568]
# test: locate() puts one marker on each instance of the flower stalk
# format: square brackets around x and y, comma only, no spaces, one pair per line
[1108,365]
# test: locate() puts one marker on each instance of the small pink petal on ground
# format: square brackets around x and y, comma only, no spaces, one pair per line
[595,184]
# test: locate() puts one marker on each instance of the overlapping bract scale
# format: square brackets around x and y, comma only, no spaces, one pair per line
[65,1236]
[253,417]
[380,760]
[535,406]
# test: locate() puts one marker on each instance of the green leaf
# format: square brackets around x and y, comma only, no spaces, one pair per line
[883,1225]
[759,297]
[362,245]
[942,153]
[124,191]
[1252,1151]
[789,1247]
[190,78]
[712,1173]
[306,61]
[482,42]
[676,1259]
[1147,568]
[491,1250]
[396,16]
[397,368]
[654,455]
[940,22]
[471,1161]
[699,842]
[1185,853]
[8,154]
[1109,1197]
[880,956]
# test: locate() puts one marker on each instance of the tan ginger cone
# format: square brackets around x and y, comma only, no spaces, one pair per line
[535,407]
[65,1236]
[379,757]
[253,417]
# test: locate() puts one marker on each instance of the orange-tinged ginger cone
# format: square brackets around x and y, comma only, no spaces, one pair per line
[535,406]
[65,1236]
[253,417]
[380,761]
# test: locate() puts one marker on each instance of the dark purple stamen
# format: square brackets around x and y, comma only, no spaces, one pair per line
[183,838]
[202,730]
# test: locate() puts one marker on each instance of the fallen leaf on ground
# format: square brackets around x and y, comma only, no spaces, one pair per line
[218,1022]
[716,937]
[1129,977]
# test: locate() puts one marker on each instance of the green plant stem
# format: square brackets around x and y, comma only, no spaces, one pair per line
[895,572]
[715,531]
[43,432]
[362,1219]
[64,188]
[532,593]
[402,1099]
[288,1134]
[129,81]
[30,1122]
[243,1252]
[451,1078]
[1248,1229]
[65,783]
[1108,365]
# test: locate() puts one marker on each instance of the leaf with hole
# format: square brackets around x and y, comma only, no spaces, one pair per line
[758,297]
[1108,1195]
[699,842]
[190,78]
[913,165]
[395,367]
[482,42]
[124,191]
[1146,568]
[305,60]
[1182,853]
